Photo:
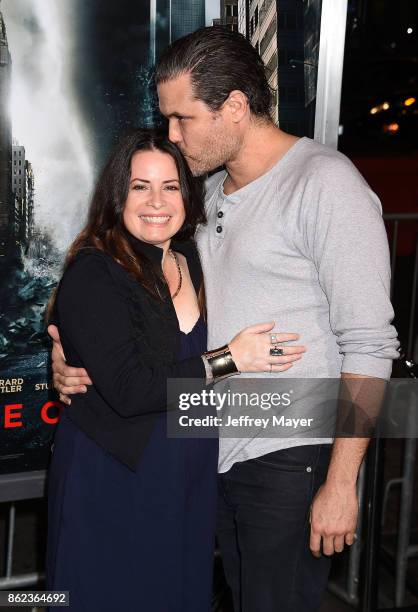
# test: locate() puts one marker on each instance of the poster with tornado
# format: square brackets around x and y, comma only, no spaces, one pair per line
[74,76]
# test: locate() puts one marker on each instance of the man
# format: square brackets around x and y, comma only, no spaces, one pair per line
[294,235]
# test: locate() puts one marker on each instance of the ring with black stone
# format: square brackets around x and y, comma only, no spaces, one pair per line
[276,352]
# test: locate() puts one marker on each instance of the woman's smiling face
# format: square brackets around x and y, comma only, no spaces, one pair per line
[154,209]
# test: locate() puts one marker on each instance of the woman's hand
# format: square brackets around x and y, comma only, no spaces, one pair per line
[250,349]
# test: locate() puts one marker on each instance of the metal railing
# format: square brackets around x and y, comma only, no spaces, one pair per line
[15,488]
[396,219]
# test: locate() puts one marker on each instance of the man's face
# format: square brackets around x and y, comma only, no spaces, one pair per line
[207,139]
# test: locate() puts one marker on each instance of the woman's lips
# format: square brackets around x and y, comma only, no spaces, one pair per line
[157,220]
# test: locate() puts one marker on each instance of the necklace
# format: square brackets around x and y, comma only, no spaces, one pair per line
[174,256]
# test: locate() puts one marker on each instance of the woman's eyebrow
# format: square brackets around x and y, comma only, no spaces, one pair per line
[173,180]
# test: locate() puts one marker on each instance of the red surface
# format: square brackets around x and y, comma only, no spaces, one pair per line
[395,180]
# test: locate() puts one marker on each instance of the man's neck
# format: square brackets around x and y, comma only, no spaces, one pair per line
[263,146]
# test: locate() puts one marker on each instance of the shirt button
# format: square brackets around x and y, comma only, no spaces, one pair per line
[219,229]
[220,214]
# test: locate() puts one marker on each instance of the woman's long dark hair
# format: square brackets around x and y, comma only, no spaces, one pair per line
[105,228]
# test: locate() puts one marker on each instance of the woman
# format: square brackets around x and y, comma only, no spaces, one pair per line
[131,512]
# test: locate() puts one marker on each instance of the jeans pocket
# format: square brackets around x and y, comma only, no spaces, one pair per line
[294,459]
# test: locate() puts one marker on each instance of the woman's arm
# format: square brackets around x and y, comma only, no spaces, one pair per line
[94,318]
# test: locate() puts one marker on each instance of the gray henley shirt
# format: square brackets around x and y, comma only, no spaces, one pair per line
[303,245]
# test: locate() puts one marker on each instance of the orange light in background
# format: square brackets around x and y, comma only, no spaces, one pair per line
[379,108]
[409,101]
[391,128]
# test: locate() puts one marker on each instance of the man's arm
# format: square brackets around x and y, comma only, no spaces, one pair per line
[344,235]
[334,511]
[76,378]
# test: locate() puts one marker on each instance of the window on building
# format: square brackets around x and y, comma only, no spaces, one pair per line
[256,16]
[235,10]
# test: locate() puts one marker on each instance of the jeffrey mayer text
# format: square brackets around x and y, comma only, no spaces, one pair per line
[245,420]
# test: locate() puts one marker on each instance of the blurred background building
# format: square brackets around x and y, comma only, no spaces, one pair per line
[286,34]
[5,143]
[172,19]
[16,173]
[23,189]
[186,16]
[228,15]
[258,22]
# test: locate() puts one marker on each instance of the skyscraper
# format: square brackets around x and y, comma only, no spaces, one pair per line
[286,35]
[19,174]
[229,14]
[5,143]
[23,202]
[243,17]
[186,16]
[258,21]
[23,193]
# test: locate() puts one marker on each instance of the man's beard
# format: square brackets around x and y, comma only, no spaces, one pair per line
[222,153]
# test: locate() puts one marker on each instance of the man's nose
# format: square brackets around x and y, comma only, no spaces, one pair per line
[174,134]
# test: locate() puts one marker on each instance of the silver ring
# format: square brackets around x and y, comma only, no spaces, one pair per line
[276,351]
[273,338]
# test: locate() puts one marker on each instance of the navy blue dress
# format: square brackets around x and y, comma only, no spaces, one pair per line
[134,541]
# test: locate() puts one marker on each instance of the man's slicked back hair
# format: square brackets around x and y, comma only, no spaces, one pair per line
[219,61]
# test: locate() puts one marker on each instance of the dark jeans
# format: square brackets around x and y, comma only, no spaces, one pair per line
[263,530]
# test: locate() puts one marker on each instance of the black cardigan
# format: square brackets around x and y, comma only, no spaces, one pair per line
[127,340]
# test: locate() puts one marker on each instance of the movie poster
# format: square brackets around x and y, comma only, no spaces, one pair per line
[74,76]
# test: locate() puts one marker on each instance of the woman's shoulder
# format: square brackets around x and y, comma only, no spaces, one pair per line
[90,269]
[87,260]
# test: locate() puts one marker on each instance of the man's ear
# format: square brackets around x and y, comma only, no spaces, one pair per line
[237,105]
